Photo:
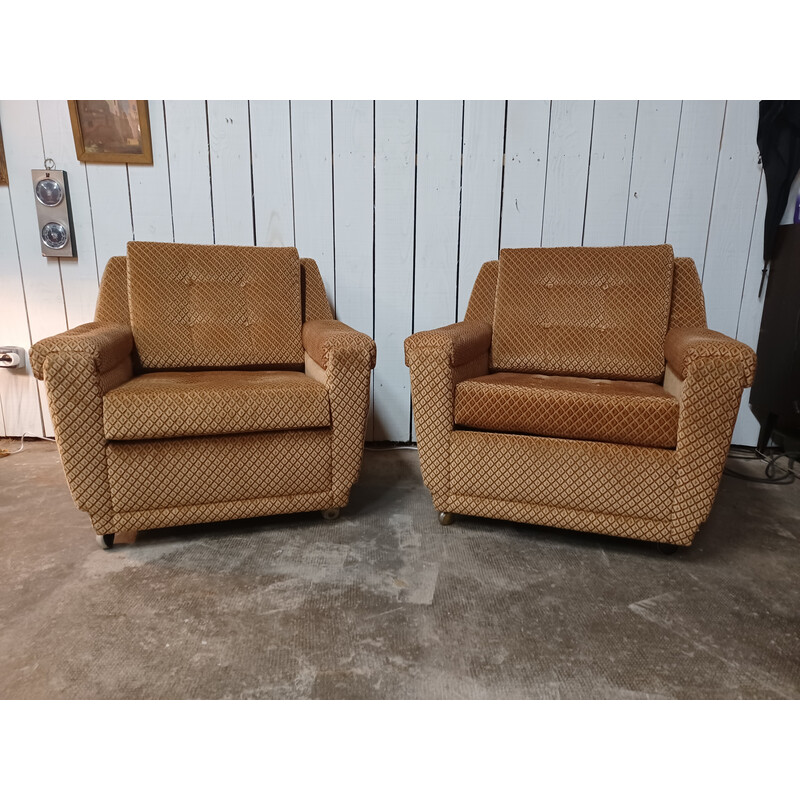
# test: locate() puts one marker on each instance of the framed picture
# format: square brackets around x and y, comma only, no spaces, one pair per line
[111,131]
[3,168]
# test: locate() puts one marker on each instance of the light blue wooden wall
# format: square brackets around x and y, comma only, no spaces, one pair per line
[399,202]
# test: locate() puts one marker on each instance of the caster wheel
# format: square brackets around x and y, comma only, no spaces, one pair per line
[330,513]
[667,549]
[106,540]
[445,518]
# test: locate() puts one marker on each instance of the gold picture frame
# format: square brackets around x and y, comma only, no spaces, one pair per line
[111,131]
[3,167]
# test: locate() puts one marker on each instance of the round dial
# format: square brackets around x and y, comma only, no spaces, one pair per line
[49,192]
[55,235]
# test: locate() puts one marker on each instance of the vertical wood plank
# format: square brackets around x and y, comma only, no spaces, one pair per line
[41,277]
[653,166]
[609,172]
[735,197]
[272,172]
[527,132]
[438,198]
[395,150]
[151,204]
[567,172]
[313,186]
[353,222]
[78,275]
[353,191]
[18,390]
[111,211]
[749,323]
[231,183]
[481,182]
[190,179]
[695,172]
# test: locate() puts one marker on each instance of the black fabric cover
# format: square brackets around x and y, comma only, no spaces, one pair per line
[778,140]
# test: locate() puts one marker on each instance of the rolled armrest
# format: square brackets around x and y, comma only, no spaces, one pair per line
[321,337]
[685,347]
[105,343]
[462,342]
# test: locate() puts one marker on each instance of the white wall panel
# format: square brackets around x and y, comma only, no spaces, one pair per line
[481,183]
[151,203]
[231,182]
[313,186]
[695,172]
[567,172]
[653,166]
[189,171]
[732,214]
[609,172]
[78,275]
[270,141]
[111,211]
[399,212]
[395,148]
[439,127]
[527,133]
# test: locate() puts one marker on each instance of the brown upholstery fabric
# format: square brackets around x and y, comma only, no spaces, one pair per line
[207,475]
[648,492]
[593,476]
[598,312]
[112,299]
[215,469]
[315,301]
[347,357]
[433,384]
[709,404]
[624,412]
[686,346]
[481,301]
[322,336]
[688,309]
[105,344]
[160,405]
[195,306]
[461,343]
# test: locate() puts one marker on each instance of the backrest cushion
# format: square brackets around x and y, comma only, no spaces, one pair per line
[590,311]
[214,306]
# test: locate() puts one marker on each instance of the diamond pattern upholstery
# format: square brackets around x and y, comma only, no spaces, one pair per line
[624,412]
[639,455]
[196,306]
[161,405]
[182,444]
[600,312]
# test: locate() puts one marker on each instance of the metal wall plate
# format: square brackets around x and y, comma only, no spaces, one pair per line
[51,195]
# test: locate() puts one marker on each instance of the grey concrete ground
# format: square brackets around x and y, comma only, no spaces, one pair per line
[384,603]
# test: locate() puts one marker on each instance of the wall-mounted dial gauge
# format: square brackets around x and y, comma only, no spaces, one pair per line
[55,236]
[49,192]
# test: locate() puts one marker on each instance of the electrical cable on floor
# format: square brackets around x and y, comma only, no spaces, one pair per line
[787,474]
[21,447]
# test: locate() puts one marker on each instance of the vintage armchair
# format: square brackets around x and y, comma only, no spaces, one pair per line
[214,384]
[583,391]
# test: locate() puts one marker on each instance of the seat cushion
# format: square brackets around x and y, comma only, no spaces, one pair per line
[215,306]
[621,412]
[599,312]
[162,405]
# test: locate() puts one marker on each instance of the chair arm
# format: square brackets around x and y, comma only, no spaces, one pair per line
[686,347]
[321,337]
[106,344]
[461,342]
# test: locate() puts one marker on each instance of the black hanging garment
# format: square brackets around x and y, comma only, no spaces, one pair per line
[778,139]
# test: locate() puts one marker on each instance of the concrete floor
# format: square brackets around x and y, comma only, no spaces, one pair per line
[384,603]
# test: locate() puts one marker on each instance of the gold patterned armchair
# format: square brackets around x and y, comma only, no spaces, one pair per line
[214,384]
[583,391]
